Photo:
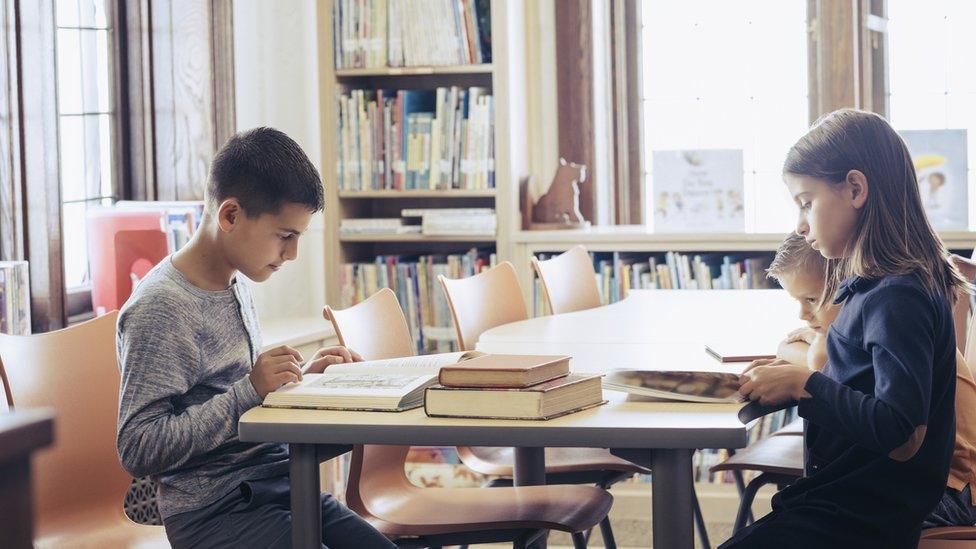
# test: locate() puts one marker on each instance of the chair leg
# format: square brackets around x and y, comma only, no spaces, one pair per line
[607,532]
[700,522]
[579,542]
[740,483]
[745,505]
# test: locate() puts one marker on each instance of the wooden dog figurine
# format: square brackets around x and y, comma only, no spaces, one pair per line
[559,207]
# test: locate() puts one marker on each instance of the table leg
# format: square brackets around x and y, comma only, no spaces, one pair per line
[530,470]
[306,505]
[672,489]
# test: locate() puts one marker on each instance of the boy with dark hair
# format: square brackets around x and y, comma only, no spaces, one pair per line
[189,346]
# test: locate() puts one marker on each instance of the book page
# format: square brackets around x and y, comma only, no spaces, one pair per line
[420,365]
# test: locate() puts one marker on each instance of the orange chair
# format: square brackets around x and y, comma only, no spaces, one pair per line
[948,537]
[380,491]
[376,325]
[568,281]
[80,483]
[493,298]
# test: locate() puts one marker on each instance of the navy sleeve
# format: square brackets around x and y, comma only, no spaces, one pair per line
[899,331]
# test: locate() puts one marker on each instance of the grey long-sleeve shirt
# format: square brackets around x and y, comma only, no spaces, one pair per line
[185,354]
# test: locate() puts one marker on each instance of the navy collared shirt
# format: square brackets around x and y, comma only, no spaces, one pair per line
[881,420]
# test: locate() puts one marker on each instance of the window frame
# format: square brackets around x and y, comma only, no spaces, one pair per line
[78,301]
[847,58]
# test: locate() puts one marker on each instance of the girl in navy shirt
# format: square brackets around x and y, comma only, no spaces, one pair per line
[880,416]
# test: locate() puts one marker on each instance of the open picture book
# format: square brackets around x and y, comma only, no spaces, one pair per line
[682,386]
[390,385]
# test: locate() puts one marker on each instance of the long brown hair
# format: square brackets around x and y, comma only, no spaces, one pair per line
[893,235]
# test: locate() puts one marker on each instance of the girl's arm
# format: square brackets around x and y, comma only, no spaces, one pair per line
[899,326]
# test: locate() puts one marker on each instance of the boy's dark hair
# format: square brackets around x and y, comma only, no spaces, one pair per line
[263,169]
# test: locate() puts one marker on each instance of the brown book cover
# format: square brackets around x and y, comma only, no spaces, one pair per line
[504,371]
[547,400]
[732,352]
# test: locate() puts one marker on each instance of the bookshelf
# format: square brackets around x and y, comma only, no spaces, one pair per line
[503,78]
[637,240]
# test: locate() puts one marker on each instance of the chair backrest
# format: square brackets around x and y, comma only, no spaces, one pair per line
[73,371]
[375,328]
[568,281]
[481,302]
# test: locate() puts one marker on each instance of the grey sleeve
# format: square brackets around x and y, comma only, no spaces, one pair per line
[159,362]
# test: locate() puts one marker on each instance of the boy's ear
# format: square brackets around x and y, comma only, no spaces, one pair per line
[229,213]
[857,182]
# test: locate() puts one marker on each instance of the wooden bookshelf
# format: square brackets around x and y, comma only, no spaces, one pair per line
[638,239]
[455,193]
[504,77]
[415,238]
[415,71]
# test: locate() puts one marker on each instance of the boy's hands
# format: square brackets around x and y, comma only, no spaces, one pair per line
[274,368]
[774,381]
[329,356]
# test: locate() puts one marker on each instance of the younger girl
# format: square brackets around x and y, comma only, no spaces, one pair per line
[880,416]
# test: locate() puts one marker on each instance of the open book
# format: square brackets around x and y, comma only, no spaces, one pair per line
[390,385]
[687,386]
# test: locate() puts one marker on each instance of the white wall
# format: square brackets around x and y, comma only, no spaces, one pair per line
[277,84]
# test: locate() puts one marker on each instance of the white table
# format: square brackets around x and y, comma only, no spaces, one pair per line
[664,330]
[662,436]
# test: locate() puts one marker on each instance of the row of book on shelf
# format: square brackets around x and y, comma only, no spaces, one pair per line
[414,280]
[407,33]
[415,139]
[619,272]
[427,221]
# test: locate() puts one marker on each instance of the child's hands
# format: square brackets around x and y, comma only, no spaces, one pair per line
[329,356]
[774,382]
[806,335]
[274,368]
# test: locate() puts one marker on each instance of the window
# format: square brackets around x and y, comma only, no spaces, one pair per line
[931,81]
[728,75]
[86,125]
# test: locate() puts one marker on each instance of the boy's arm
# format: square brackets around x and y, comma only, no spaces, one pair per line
[899,328]
[159,364]
[817,353]
[794,352]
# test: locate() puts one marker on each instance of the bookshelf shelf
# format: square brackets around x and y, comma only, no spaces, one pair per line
[415,238]
[415,71]
[502,80]
[455,193]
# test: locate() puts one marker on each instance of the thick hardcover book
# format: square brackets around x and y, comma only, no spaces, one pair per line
[548,400]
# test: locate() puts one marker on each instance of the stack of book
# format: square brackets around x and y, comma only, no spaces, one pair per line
[376,226]
[414,280]
[409,33]
[512,387]
[454,221]
[15,318]
[415,139]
